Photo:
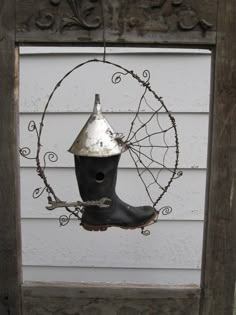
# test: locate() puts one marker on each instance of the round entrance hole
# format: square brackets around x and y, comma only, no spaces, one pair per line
[100,177]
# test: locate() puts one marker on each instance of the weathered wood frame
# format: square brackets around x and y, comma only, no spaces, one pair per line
[216,294]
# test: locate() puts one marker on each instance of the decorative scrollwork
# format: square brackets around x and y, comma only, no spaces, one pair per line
[25,152]
[205,25]
[38,192]
[145,232]
[64,219]
[44,20]
[182,16]
[166,210]
[188,19]
[82,10]
[116,77]
[51,157]
[80,14]
[158,16]
[178,174]
[146,75]
[32,126]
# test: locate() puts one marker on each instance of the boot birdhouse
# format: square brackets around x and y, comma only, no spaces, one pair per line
[97,151]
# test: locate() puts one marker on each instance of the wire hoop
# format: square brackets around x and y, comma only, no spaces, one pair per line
[133,143]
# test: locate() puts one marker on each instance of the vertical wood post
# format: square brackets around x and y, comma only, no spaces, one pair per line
[218,269]
[10,240]
[234,312]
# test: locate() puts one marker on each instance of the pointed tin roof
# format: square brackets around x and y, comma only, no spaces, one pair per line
[97,138]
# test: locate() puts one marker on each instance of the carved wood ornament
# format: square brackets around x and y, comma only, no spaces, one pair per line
[83,14]
[59,16]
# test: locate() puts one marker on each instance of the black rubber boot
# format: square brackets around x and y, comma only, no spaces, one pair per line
[96,177]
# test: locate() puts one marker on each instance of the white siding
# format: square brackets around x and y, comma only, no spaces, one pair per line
[172,253]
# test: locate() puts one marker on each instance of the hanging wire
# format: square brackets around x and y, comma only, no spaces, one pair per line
[103,31]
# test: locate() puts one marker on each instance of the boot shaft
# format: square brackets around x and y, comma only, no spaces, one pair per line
[96,177]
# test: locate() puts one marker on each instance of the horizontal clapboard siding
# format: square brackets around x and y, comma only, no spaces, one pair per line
[172,253]
[72,246]
[185,196]
[182,79]
[114,275]
[192,130]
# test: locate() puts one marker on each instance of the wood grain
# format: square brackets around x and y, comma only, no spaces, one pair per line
[103,299]
[126,22]
[10,244]
[234,311]
[219,263]
[219,246]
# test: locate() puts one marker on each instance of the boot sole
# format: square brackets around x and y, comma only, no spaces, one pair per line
[102,228]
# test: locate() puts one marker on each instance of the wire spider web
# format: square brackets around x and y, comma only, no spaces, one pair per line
[151,142]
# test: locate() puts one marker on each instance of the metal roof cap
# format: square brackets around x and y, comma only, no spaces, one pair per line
[97,138]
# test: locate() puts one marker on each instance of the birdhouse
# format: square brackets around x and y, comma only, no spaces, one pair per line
[97,151]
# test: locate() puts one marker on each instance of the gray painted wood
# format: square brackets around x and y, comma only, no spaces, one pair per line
[104,299]
[234,312]
[10,244]
[151,39]
[218,276]
[218,258]
[126,22]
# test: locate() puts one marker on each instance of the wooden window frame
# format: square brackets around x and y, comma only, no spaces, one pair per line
[215,296]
